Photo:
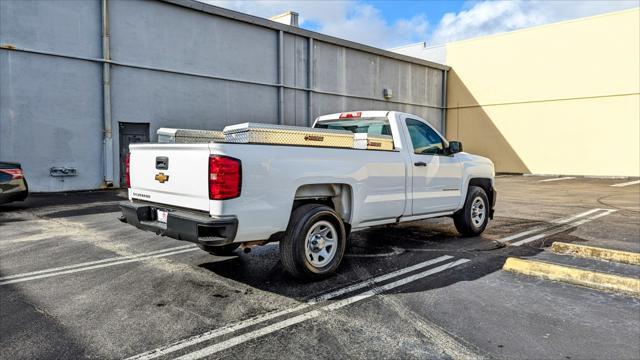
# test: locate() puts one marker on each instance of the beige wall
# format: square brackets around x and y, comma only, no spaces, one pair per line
[557,99]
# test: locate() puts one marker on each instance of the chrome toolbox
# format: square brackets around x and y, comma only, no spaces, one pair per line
[254,133]
[372,142]
[195,136]
[188,136]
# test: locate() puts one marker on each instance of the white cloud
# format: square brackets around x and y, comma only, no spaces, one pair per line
[351,20]
[365,23]
[490,17]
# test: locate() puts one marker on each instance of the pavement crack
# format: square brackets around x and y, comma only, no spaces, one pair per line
[40,310]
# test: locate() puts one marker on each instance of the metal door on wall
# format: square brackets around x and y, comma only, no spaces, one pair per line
[130,133]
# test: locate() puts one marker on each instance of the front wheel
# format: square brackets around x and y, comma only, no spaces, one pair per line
[473,218]
[314,243]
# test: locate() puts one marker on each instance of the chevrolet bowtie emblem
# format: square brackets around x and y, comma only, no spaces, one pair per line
[161,177]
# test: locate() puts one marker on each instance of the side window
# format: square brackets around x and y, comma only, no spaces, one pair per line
[425,140]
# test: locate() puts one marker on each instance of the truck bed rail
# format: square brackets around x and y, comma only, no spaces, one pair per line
[256,133]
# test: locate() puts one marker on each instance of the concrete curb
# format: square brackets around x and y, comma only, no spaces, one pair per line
[575,276]
[591,252]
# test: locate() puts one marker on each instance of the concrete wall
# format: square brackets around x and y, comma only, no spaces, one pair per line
[557,99]
[176,63]
[51,107]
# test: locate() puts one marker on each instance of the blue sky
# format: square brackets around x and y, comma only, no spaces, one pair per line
[434,10]
[388,24]
[396,10]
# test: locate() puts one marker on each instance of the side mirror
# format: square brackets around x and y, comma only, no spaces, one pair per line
[455,147]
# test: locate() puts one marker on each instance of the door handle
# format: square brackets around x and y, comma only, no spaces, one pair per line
[420,163]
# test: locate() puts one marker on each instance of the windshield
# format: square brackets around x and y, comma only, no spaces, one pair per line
[372,126]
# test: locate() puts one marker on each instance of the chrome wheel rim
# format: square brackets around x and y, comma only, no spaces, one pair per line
[478,211]
[321,243]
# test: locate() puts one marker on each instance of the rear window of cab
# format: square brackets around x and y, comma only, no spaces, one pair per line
[371,126]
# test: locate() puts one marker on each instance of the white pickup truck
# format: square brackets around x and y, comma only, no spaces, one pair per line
[223,193]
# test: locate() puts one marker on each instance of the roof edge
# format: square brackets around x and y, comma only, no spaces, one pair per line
[259,21]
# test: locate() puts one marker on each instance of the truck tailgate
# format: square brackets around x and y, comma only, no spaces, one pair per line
[171,174]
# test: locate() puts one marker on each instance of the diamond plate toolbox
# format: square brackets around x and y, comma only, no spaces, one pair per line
[254,133]
[372,142]
[186,136]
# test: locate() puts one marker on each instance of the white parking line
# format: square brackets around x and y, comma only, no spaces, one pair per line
[627,183]
[557,179]
[93,262]
[562,228]
[210,350]
[545,227]
[91,265]
[167,349]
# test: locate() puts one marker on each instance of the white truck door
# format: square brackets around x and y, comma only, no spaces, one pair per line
[436,177]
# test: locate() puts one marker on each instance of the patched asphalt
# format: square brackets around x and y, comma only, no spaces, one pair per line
[139,292]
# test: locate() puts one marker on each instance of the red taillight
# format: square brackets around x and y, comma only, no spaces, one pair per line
[15,173]
[351,115]
[224,177]
[127,172]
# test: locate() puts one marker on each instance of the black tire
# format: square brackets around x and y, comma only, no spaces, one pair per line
[223,250]
[293,245]
[463,218]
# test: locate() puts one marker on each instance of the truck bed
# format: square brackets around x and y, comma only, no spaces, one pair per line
[270,176]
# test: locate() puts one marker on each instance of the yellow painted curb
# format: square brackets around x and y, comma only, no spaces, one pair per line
[571,275]
[591,252]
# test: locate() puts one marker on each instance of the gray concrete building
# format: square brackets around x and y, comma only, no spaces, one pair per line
[80,80]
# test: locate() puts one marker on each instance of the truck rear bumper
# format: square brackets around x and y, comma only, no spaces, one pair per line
[181,225]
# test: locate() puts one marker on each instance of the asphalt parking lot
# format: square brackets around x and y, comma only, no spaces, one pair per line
[75,282]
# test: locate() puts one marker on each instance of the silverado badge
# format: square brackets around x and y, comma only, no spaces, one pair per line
[161,177]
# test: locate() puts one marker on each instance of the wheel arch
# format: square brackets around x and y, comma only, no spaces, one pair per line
[337,196]
[487,185]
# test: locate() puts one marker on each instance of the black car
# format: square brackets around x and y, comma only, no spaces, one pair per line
[13,185]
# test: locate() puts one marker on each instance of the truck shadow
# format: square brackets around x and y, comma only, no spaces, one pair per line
[380,251]
[90,210]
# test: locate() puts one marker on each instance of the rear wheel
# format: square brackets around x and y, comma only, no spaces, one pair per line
[220,250]
[314,243]
[473,218]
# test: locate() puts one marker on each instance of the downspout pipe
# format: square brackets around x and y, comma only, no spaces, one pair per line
[280,77]
[310,80]
[443,118]
[106,100]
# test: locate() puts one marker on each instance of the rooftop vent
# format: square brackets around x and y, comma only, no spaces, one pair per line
[288,18]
